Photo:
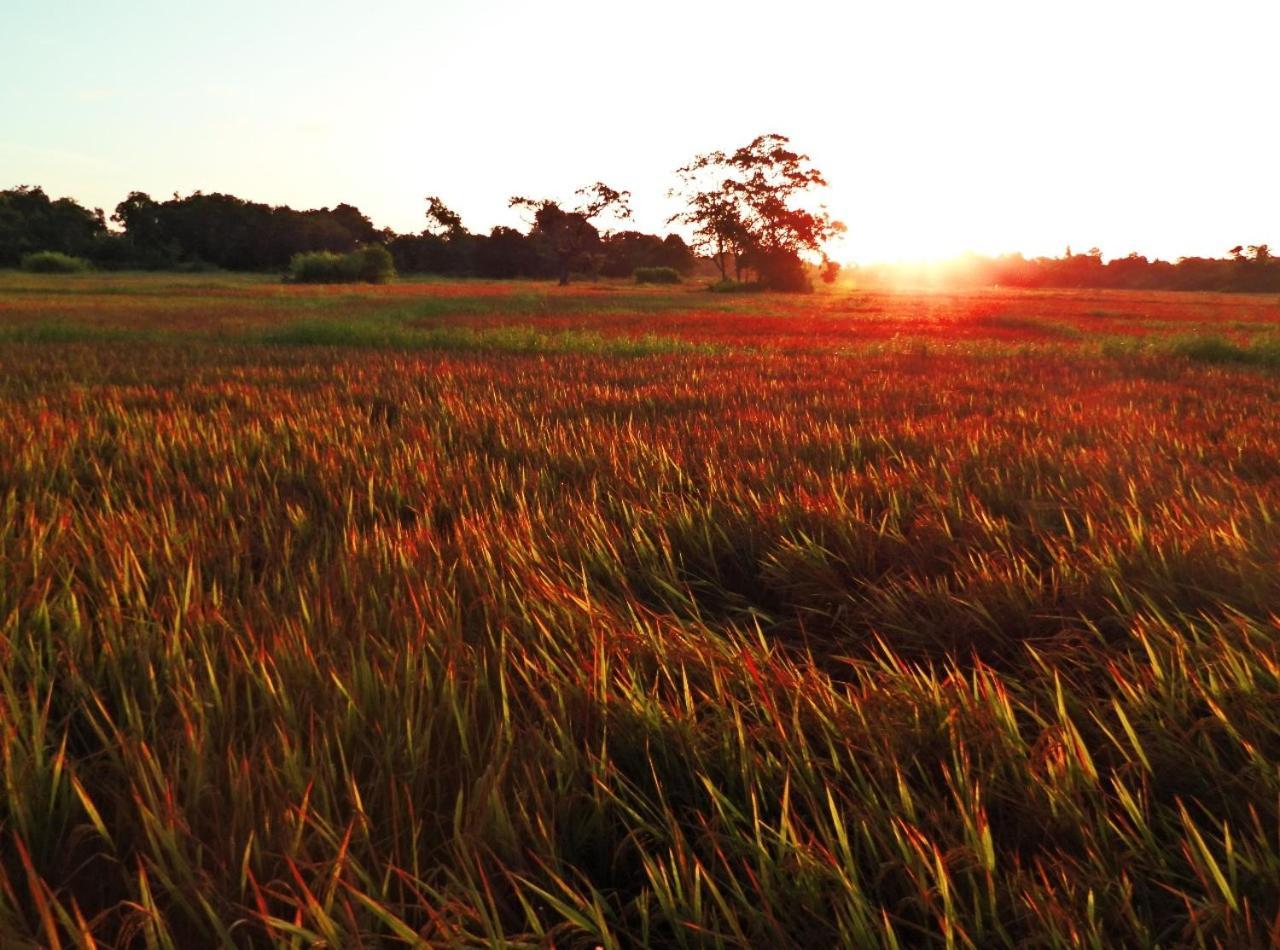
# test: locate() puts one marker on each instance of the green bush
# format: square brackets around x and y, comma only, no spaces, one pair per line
[371,264]
[322,267]
[657,275]
[375,264]
[53,262]
[196,266]
[730,286]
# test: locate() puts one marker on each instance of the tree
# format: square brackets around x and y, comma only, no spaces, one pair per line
[570,235]
[233,233]
[770,180]
[139,217]
[353,221]
[30,221]
[442,220]
[750,203]
[443,247]
[626,251]
[506,253]
[712,214]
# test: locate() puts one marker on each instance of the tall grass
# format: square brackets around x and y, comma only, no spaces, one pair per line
[1263,351]
[515,338]
[360,645]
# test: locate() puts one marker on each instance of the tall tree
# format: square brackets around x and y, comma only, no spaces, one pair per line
[443,220]
[570,234]
[752,202]
[711,213]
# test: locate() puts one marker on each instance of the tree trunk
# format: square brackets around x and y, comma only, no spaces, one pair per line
[564,272]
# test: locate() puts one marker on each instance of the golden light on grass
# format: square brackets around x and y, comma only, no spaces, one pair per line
[467,613]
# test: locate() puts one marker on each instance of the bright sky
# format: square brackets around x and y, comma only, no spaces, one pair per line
[942,126]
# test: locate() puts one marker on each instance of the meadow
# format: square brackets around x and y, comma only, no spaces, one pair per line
[480,613]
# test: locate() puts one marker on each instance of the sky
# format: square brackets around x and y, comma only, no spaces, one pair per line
[942,127]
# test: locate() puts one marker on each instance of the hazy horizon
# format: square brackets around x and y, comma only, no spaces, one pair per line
[996,129]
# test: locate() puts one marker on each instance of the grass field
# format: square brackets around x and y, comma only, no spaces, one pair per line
[471,613]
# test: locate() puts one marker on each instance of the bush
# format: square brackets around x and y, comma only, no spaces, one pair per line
[53,262]
[372,264]
[196,266]
[782,270]
[323,267]
[657,275]
[375,264]
[728,285]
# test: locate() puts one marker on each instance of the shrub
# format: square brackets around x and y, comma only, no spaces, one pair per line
[53,262]
[372,264]
[730,286]
[322,267]
[196,266]
[375,264]
[782,270]
[657,275]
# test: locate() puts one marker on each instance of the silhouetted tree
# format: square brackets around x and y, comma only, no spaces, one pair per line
[711,212]
[570,234]
[505,253]
[626,251]
[443,220]
[443,247]
[233,233]
[676,254]
[352,220]
[748,202]
[30,221]
[139,217]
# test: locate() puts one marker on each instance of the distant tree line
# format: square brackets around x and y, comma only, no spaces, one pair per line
[223,231]
[1251,269]
[749,212]
[746,209]
[560,241]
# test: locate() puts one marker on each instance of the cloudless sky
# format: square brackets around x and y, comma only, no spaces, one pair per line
[942,126]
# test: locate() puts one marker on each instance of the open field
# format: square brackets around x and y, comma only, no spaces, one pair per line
[469,612]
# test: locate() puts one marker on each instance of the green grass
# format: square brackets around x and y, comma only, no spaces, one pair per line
[66,332]
[332,619]
[373,333]
[504,339]
[1260,351]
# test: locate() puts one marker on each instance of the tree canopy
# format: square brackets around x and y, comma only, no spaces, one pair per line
[752,204]
[31,221]
[571,233]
